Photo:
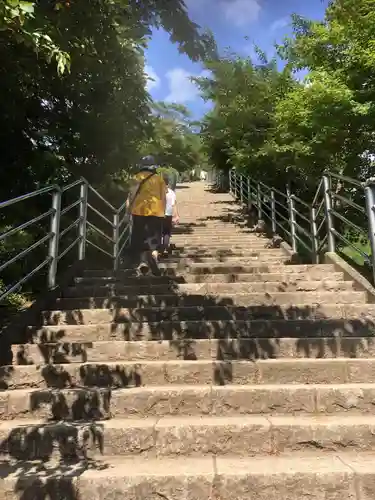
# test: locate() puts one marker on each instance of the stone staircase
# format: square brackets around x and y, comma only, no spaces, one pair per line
[232,375]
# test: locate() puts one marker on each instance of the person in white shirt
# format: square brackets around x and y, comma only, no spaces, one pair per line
[171,216]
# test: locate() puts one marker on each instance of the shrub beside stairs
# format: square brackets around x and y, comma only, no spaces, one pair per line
[233,375]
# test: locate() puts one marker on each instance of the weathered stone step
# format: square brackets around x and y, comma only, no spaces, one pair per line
[187,278]
[201,300]
[175,332]
[217,253]
[292,477]
[136,374]
[95,403]
[314,271]
[282,258]
[188,436]
[222,243]
[362,313]
[191,349]
[120,289]
[232,267]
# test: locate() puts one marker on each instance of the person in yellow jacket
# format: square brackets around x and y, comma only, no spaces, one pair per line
[146,203]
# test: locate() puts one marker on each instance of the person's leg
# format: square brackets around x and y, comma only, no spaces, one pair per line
[167,229]
[154,235]
[136,240]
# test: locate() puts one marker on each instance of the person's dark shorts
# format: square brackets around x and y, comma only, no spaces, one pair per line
[146,232]
[167,225]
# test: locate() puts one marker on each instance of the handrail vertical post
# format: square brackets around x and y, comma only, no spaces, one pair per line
[273,212]
[248,192]
[259,202]
[82,227]
[241,189]
[328,213]
[314,236]
[370,206]
[231,182]
[292,218]
[235,184]
[116,243]
[53,247]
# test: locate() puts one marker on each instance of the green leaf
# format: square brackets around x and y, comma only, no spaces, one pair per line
[13,3]
[27,7]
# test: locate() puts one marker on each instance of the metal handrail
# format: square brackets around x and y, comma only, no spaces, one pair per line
[263,197]
[27,196]
[56,234]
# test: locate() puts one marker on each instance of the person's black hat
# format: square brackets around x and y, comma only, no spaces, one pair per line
[148,163]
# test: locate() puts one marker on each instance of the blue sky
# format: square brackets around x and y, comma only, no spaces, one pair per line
[236,24]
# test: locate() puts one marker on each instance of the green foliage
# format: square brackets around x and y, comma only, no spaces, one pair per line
[278,129]
[174,143]
[73,99]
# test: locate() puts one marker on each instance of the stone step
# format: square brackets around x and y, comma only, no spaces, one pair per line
[338,330]
[191,349]
[120,289]
[253,267]
[282,258]
[292,477]
[220,241]
[135,374]
[85,403]
[218,253]
[363,313]
[242,436]
[313,270]
[201,300]
[321,276]
[225,242]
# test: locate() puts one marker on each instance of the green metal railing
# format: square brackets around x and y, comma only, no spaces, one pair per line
[81,214]
[341,206]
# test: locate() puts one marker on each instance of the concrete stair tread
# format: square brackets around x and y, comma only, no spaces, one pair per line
[268,286]
[123,466]
[294,268]
[214,312]
[180,372]
[228,349]
[270,323]
[209,278]
[267,421]
[214,299]
[191,399]
[294,476]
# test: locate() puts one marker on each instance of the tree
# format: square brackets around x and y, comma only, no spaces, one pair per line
[73,98]
[174,143]
[245,96]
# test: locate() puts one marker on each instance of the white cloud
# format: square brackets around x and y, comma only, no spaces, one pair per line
[279,24]
[181,88]
[153,81]
[241,12]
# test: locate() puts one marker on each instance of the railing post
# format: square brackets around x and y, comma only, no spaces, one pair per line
[248,191]
[231,182]
[273,212]
[292,219]
[259,202]
[82,227]
[53,247]
[241,189]
[235,184]
[116,234]
[314,236]
[328,214]
[370,204]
